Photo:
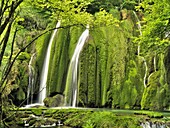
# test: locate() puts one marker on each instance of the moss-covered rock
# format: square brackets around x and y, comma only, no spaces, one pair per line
[37,112]
[55,101]
[17,80]
[150,99]
[87,118]
[109,71]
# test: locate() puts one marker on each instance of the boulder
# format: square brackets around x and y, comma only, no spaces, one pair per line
[55,101]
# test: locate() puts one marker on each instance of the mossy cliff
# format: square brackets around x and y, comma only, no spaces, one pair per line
[17,81]
[156,94]
[61,53]
[111,74]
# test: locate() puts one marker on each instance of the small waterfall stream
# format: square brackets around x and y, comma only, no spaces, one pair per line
[146,71]
[145,63]
[31,81]
[139,27]
[72,80]
[44,73]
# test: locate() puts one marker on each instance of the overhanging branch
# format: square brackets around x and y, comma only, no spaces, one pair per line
[23,49]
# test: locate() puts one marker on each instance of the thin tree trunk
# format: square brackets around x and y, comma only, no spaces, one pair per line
[13,7]
[5,41]
[11,53]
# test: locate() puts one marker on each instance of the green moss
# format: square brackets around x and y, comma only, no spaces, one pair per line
[150,114]
[62,50]
[110,72]
[21,94]
[59,62]
[97,118]
[24,56]
[37,112]
[115,13]
[151,95]
[55,101]
[50,111]
[73,42]
[102,66]
[41,47]
[131,93]
[102,120]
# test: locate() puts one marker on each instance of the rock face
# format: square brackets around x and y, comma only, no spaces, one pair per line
[55,101]
[110,73]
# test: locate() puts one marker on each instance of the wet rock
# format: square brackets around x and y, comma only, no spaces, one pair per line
[55,101]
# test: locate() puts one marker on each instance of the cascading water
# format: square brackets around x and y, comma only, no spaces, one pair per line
[31,81]
[145,63]
[139,27]
[43,80]
[72,80]
[146,70]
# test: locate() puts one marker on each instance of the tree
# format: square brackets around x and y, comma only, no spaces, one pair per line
[154,40]
[7,18]
[156,25]
[8,14]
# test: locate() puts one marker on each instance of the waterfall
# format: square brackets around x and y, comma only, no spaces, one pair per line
[146,71]
[31,81]
[139,27]
[72,80]
[146,67]
[44,73]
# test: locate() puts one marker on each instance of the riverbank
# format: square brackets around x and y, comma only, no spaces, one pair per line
[85,117]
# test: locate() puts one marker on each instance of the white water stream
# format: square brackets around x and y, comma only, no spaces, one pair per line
[139,27]
[145,63]
[146,71]
[72,80]
[44,73]
[31,81]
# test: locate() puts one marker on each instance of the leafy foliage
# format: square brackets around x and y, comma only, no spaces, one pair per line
[156,24]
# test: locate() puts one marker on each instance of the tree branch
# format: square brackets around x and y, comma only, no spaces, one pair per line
[11,53]
[4,8]
[5,42]
[13,7]
[1,7]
